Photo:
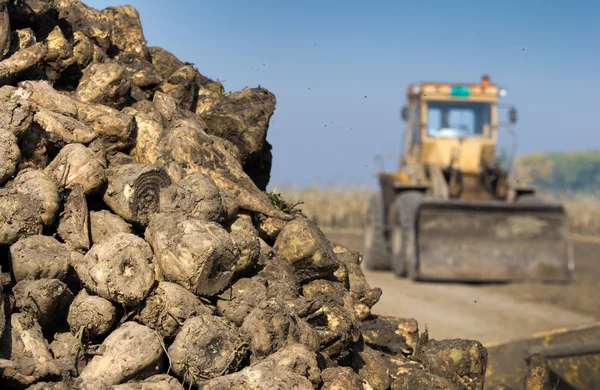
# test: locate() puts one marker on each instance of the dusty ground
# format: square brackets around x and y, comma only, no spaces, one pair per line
[494,312]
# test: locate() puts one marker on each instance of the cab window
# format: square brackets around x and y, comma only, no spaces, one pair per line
[458,119]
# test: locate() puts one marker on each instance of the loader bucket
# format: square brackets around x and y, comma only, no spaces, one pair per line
[573,356]
[462,240]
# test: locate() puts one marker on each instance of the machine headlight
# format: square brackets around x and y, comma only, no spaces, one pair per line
[416,89]
[503,92]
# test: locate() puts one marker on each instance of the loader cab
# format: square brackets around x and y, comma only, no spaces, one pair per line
[453,129]
[451,124]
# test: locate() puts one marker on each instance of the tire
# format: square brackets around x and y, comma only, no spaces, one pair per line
[375,248]
[403,216]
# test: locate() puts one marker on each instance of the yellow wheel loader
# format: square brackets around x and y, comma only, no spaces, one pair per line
[452,211]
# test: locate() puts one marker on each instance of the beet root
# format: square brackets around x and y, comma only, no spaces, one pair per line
[120,269]
[132,351]
[206,347]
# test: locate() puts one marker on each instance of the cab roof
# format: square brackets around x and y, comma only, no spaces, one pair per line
[485,90]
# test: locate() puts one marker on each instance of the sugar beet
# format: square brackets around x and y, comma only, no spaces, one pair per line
[132,351]
[120,269]
[196,254]
[206,347]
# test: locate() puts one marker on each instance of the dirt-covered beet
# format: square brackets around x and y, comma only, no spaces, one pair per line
[20,62]
[133,191]
[150,129]
[420,380]
[195,254]
[369,365]
[19,217]
[181,87]
[196,195]
[115,129]
[40,257]
[104,225]
[92,314]
[77,164]
[341,378]
[60,130]
[74,225]
[280,279]
[238,301]
[245,238]
[336,322]
[43,95]
[164,62]
[296,358]
[120,269]
[132,351]
[107,84]
[269,228]
[206,347]
[63,385]
[187,149]
[10,155]
[69,354]
[169,306]
[244,112]
[17,118]
[140,71]
[363,295]
[4,30]
[462,362]
[391,335]
[155,382]
[86,20]
[38,187]
[47,300]
[398,364]
[126,32]
[28,353]
[21,39]
[252,378]
[272,326]
[303,244]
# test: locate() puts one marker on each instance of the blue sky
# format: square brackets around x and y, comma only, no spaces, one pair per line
[339,69]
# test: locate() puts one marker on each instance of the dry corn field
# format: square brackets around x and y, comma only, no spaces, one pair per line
[345,207]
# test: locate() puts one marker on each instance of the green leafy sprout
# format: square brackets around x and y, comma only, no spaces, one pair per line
[281,204]
[222,91]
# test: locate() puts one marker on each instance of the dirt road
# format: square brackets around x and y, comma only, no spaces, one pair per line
[490,313]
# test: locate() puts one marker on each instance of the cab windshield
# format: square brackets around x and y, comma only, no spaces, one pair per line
[458,119]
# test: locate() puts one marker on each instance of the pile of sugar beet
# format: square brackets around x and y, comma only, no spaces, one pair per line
[138,244]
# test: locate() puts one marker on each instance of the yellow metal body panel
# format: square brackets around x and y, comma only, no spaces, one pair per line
[507,361]
[400,177]
[437,91]
[464,154]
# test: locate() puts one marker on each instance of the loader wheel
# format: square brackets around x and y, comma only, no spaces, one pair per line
[375,249]
[403,219]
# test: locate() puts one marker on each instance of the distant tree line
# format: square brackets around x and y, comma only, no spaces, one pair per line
[577,171]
